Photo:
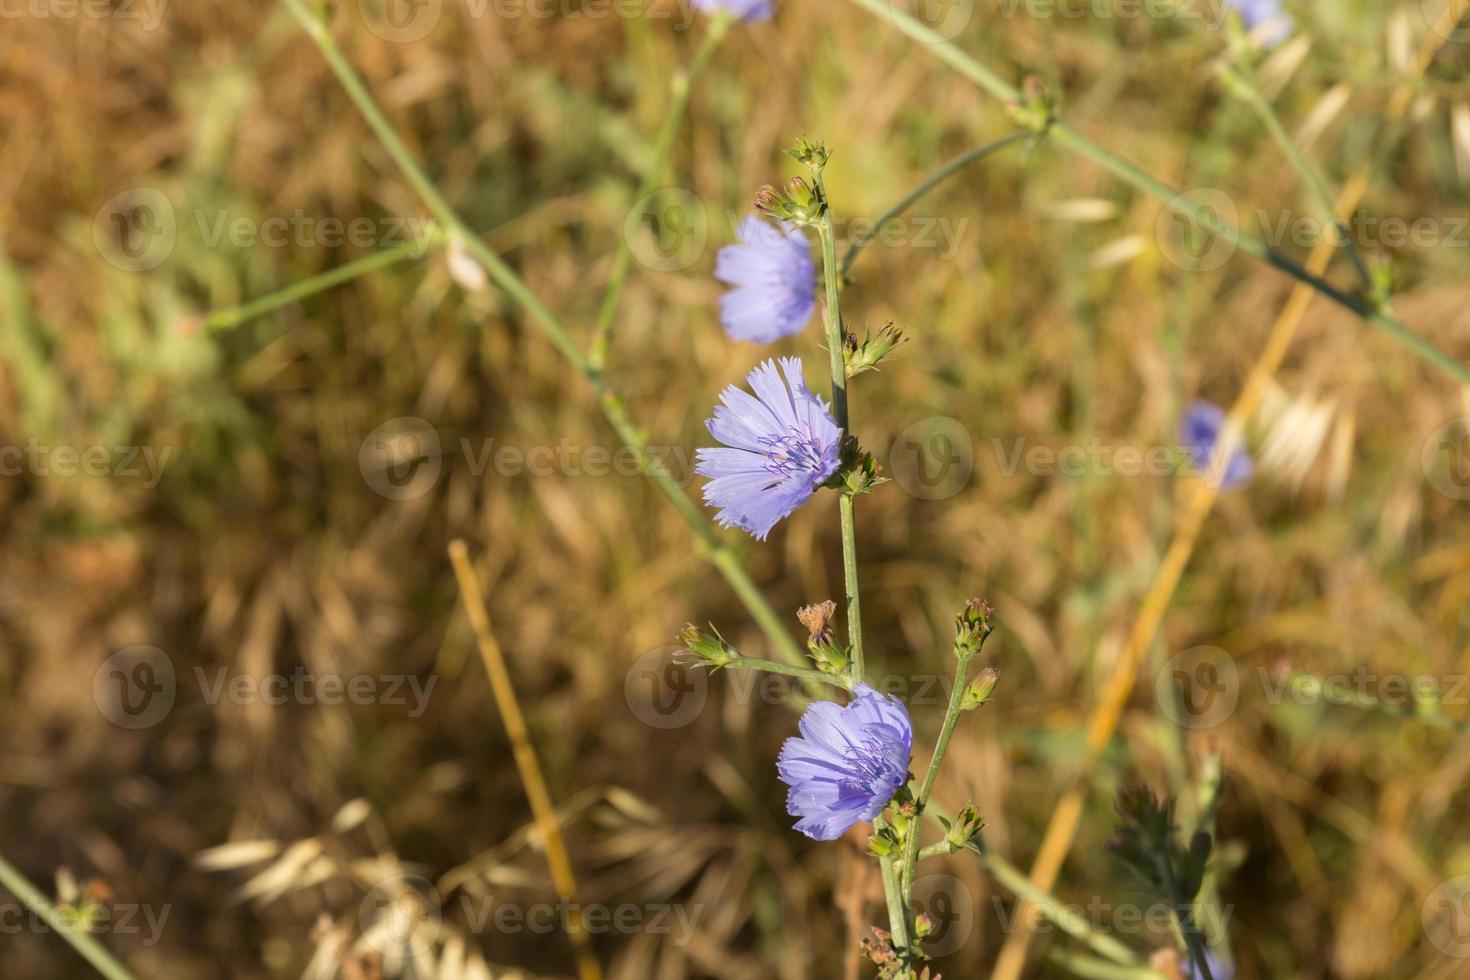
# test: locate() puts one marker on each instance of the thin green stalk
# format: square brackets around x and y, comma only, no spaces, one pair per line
[941,746]
[925,186]
[297,291]
[83,942]
[555,330]
[1203,218]
[1241,78]
[1184,921]
[719,26]
[1048,905]
[808,674]
[845,506]
[898,922]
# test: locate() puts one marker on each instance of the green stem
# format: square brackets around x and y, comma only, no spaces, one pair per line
[1203,218]
[556,331]
[808,674]
[719,25]
[846,508]
[898,922]
[941,746]
[1048,905]
[83,942]
[1244,83]
[929,183]
[297,291]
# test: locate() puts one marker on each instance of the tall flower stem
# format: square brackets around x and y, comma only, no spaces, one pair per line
[832,316]
[297,291]
[923,187]
[1243,81]
[898,922]
[613,408]
[90,949]
[1201,217]
[719,26]
[926,788]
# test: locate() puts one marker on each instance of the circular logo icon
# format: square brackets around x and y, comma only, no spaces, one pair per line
[667,230]
[135,230]
[950,908]
[946,18]
[401,916]
[1434,12]
[1195,246]
[663,691]
[1446,917]
[933,459]
[1198,687]
[135,687]
[403,21]
[401,459]
[1446,459]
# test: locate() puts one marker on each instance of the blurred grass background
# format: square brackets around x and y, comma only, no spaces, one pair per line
[263,548]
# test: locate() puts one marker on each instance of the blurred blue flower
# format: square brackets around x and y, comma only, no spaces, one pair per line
[1199,431]
[774,279]
[1258,12]
[751,10]
[847,764]
[780,445]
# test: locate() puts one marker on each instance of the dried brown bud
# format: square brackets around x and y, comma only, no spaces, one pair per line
[817,618]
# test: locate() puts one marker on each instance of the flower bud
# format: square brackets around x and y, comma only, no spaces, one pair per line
[965,829]
[828,654]
[709,648]
[978,691]
[874,348]
[813,153]
[971,628]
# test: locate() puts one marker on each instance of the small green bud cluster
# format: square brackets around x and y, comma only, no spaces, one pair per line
[873,350]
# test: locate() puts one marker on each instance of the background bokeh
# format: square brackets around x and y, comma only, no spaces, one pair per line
[265,537]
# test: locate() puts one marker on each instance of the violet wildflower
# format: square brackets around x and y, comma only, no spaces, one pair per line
[774,279]
[780,445]
[1255,13]
[747,10]
[1199,432]
[847,764]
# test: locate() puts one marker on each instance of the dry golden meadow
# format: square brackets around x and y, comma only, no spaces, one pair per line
[245,534]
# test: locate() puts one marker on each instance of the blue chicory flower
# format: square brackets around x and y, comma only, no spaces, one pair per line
[1199,431]
[747,10]
[780,445]
[1258,12]
[774,279]
[847,764]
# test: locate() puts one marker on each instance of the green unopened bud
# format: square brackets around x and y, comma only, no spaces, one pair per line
[813,153]
[874,348]
[1036,108]
[798,202]
[709,648]
[978,691]
[884,843]
[923,925]
[857,470]
[965,829]
[971,628]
